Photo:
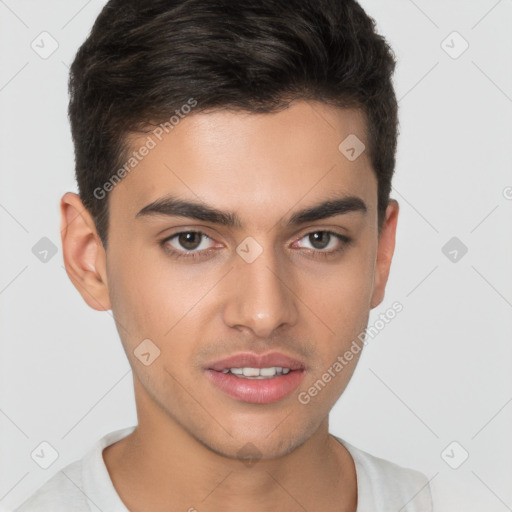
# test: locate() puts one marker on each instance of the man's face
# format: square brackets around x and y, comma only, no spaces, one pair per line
[266,285]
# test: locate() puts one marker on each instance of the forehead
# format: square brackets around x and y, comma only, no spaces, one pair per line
[250,163]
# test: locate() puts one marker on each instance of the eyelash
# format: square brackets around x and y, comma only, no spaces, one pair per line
[195,255]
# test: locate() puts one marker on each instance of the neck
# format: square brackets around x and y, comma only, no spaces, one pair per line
[162,467]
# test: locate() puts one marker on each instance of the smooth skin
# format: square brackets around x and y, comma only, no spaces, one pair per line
[184,454]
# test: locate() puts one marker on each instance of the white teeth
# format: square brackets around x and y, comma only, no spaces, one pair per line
[258,373]
[267,372]
[251,372]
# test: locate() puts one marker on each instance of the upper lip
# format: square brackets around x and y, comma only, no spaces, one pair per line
[252,360]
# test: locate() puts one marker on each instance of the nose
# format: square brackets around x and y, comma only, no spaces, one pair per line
[261,298]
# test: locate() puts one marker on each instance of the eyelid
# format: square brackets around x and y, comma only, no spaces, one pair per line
[194,254]
[188,231]
[334,230]
[337,235]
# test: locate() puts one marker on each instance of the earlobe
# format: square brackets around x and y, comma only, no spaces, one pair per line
[83,253]
[386,248]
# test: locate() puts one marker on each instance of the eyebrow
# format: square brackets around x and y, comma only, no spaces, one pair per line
[176,207]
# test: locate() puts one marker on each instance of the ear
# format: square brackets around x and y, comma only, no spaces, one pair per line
[83,252]
[385,252]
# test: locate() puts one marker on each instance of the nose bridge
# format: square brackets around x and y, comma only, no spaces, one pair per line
[261,297]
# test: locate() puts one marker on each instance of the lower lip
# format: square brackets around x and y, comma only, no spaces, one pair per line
[257,391]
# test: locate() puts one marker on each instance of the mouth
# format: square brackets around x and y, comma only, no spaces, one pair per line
[257,379]
[258,373]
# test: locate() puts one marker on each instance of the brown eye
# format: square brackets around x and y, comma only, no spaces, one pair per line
[189,240]
[188,243]
[320,239]
[324,243]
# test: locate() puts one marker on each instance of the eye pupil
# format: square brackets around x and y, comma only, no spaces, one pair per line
[189,241]
[319,236]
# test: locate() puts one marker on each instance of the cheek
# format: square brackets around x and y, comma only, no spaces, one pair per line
[341,294]
[340,297]
[153,297]
[136,291]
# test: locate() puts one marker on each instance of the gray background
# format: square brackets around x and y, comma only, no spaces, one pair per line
[439,372]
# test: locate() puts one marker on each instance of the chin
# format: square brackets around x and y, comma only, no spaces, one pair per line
[248,444]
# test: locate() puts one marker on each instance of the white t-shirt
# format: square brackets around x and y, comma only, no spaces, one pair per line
[85,485]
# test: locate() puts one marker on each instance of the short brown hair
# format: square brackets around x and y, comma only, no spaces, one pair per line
[146,58]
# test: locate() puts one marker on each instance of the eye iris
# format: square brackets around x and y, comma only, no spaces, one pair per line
[189,241]
[321,236]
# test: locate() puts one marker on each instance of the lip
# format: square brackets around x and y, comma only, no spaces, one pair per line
[256,391]
[252,360]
